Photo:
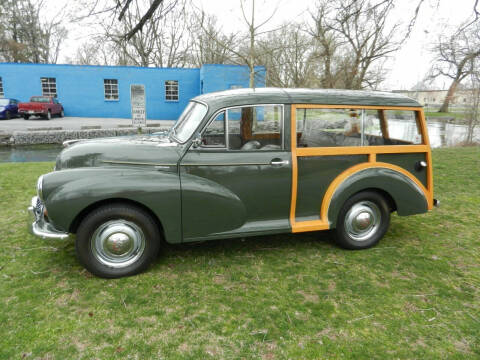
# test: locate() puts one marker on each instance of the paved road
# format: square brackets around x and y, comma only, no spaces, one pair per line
[69,123]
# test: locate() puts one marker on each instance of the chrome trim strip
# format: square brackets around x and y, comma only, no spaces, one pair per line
[226,164]
[134,163]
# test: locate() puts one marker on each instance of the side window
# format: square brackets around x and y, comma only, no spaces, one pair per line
[403,127]
[214,134]
[255,128]
[330,127]
[357,127]
[2,94]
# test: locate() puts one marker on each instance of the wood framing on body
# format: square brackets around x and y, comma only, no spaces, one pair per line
[371,151]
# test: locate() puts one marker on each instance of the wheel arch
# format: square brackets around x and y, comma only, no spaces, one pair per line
[83,213]
[402,193]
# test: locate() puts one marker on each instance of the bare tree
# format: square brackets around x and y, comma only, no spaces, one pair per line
[473,111]
[353,39]
[119,9]
[456,56]
[25,36]
[209,46]
[290,57]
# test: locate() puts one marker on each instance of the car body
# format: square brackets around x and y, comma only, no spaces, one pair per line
[239,163]
[43,106]
[8,108]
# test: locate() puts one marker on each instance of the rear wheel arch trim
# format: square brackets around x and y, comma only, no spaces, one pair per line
[337,183]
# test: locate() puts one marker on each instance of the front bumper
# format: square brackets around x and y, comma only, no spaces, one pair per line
[39,226]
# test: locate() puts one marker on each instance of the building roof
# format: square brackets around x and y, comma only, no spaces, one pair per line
[305,96]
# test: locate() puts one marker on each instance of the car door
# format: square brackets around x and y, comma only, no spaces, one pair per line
[238,181]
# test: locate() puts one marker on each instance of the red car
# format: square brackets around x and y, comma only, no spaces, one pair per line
[43,106]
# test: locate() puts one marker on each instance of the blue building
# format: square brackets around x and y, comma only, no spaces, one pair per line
[104,91]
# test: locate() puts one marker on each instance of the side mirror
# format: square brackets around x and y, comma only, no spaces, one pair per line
[197,141]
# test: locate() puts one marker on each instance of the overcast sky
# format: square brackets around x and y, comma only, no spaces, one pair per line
[406,67]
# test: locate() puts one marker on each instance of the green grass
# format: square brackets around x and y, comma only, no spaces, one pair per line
[415,295]
[459,116]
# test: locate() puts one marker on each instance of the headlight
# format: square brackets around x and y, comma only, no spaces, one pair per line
[40,187]
[2,108]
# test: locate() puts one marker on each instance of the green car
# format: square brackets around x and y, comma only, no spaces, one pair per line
[239,163]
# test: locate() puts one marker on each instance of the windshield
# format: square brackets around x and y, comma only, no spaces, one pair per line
[4,102]
[189,121]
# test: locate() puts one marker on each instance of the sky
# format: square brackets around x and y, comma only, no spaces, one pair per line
[405,68]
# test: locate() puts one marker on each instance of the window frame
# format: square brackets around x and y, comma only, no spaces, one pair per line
[226,147]
[105,90]
[49,86]
[178,90]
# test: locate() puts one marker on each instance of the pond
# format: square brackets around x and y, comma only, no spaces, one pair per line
[440,133]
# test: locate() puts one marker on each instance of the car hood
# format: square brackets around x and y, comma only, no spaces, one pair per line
[128,151]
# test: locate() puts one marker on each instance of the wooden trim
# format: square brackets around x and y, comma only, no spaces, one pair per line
[371,151]
[361,150]
[354,169]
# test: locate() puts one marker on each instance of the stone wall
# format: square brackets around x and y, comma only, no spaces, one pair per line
[59,136]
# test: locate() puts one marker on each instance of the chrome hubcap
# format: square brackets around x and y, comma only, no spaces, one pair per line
[118,243]
[362,221]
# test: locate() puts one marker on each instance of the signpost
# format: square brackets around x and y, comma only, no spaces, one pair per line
[137,99]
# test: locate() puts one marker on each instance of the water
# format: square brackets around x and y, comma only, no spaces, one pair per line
[440,133]
[29,153]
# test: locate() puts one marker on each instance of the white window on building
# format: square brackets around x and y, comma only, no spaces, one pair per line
[49,86]
[171,90]
[111,89]
[2,94]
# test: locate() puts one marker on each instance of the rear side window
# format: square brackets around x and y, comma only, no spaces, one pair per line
[357,127]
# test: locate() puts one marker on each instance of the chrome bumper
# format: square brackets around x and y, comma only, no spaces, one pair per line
[39,226]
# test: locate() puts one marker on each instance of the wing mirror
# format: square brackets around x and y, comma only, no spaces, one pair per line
[197,141]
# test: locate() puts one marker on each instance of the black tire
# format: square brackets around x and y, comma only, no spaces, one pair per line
[26,117]
[48,116]
[116,220]
[8,116]
[362,221]
[62,114]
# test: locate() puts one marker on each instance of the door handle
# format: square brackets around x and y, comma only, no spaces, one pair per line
[279,162]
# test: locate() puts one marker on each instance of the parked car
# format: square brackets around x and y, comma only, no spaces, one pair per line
[8,108]
[239,163]
[43,106]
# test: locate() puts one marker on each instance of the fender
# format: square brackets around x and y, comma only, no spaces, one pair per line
[410,196]
[68,192]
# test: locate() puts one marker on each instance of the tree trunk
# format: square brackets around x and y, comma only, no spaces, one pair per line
[251,59]
[449,97]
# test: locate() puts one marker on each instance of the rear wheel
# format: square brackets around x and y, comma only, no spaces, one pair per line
[117,240]
[49,115]
[26,117]
[62,114]
[362,221]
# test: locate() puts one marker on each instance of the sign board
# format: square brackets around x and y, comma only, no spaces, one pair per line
[137,99]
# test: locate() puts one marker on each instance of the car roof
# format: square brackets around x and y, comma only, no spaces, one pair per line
[304,96]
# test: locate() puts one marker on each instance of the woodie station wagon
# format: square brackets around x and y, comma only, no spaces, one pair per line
[239,163]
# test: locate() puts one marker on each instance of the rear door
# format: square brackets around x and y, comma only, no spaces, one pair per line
[239,180]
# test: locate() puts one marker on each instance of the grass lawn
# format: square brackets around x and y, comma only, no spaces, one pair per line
[416,295]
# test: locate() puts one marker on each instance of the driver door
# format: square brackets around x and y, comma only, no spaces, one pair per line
[238,181]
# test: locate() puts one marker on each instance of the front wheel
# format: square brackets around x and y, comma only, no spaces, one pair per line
[49,115]
[362,221]
[117,240]
[8,116]
[62,114]
[26,117]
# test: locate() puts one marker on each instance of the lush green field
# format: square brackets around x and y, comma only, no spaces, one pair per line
[416,295]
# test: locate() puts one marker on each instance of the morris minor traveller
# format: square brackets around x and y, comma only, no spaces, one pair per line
[240,163]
